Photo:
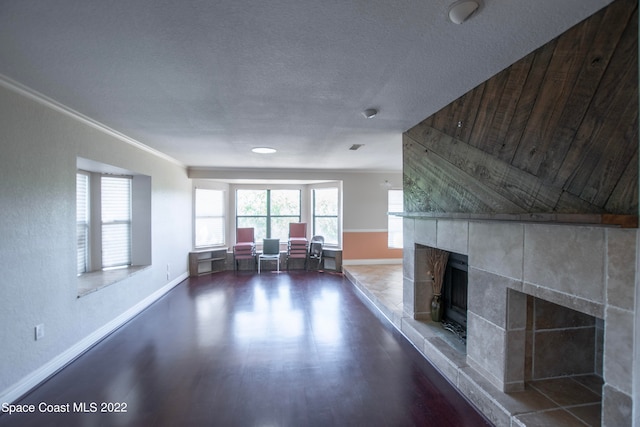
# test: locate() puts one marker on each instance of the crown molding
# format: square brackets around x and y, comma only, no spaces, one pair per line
[29,93]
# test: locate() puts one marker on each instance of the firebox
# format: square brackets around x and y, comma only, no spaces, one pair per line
[454,291]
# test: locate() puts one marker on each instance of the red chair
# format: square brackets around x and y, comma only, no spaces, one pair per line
[298,243]
[245,247]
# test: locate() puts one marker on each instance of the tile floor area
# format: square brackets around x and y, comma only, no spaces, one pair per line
[571,401]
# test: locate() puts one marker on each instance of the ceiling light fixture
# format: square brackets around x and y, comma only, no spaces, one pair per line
[460,11]
[370,113]
[263,150]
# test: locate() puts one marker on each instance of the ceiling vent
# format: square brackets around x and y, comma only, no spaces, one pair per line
[354,147]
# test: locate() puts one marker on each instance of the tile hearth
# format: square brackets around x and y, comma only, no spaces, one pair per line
[568,401]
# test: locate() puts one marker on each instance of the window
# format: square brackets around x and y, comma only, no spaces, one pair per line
[209,217]
[114,235]
[116,221]
[325,214]
[269,212]
[395,204]
[106,232]
[82,221]
[113,224]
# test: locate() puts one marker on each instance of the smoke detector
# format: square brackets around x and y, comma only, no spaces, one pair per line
[460,11]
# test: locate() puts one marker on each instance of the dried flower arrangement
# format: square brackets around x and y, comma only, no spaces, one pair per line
[436,263]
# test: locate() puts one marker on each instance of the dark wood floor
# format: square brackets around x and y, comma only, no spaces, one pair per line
[241,349]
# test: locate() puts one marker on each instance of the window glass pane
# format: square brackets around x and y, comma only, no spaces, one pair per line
[326,201]
[82,221]
[325,214]
[285,202]
[116,221]
[209,220]
[395,201]
[327,228]
[280,227]
[259,225]
[251,202]
[395,204]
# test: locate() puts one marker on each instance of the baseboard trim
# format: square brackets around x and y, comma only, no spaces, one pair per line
[26,384]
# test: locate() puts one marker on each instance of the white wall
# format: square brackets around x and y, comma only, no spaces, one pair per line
[39,145]
[365,200]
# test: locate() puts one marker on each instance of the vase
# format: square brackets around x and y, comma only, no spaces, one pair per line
[436,308]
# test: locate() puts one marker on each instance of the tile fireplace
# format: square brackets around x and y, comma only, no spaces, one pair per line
[549,305]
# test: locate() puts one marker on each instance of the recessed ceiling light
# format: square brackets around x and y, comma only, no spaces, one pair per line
[263,150]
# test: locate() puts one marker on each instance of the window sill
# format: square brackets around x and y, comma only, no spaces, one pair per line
[209,248]
[91,282]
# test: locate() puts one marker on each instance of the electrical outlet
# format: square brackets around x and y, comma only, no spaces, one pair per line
[39,331]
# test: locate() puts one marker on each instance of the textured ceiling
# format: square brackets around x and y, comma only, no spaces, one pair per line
[205,81]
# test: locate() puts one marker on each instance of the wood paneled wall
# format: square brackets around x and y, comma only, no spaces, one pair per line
[556,132]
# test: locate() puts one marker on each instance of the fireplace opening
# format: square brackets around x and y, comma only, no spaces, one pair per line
[454,293]
[564,355]
[561,342]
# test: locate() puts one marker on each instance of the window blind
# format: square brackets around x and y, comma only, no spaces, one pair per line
[209,217]
[82,221]
[116,221]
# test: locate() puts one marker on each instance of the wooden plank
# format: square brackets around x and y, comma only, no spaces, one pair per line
[451,188]
[417,195]
[458,118]
[605,34]
[442,120]
[624,221]
[571,204]
[490,103]
[605,129]
[520,188]
[512,90]
[554,92]
[624,197]
[614,160]
[428,121]
[468,113]
[540,60]
[451,116]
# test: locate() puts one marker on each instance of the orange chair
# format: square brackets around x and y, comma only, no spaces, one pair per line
[298,243]
[245,247]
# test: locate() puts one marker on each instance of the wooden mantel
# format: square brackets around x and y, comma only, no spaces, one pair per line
[605,220]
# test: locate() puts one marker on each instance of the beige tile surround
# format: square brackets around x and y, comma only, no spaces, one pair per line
[589,269]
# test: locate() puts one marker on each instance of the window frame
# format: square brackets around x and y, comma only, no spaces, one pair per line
[268,216]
